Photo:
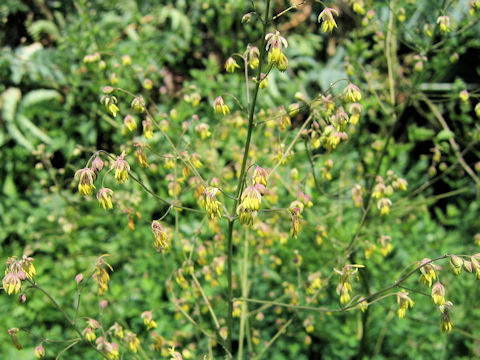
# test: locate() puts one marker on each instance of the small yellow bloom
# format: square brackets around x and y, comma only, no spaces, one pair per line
[86,178]
[352,93]
[132,341]
[231,65]
[404,302]
[130,123]
[161,236]
[104,197]
[121,168]
[220,107]
[326,16]
[444,24]
[138,104]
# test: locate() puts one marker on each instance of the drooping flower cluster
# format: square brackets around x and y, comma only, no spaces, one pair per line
[404,303]
[274,46]
[446,324]
[326,17]
[101,276]
[384,189]
[121,168]
[220,107]
[162,238]
[345,287]
[132,341]
[251,197]
[110,349]
[147,317]
[104,197]
[86,178]
[110,103]
[89,331]
[16,271]
[210,202]
[428,271]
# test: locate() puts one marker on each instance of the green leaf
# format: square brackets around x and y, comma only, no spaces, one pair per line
[445,135]
[19,137]
[33,129]
[11,97]
[416,133]
[43,26]
[37,96]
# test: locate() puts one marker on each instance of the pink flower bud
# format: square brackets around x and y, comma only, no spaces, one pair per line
[79,278]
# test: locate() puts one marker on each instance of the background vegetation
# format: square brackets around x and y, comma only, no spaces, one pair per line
[419,121]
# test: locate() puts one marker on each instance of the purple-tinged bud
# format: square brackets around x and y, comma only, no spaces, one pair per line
[78,278]
[39,352]
[22,298]
[456,264]
[108,89]
[97,164]
[246,18]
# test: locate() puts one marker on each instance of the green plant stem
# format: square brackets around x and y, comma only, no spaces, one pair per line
[65,315]
[274,338]
[240,185]
[376,296]
[207,302]
[244,313]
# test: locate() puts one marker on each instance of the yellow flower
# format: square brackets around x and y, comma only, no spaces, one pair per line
[12,282]
[132,341]
[138,104]
[231,65]
[444,24]
[130,122]
[161,236]
[147,128]
[147,317]
[220,107]
[438,294]
[39,352]
[104,197]
[110,104]
[251,197]
[328,21]
[86,178]
[121,168]
[212,205]
[404,302]
[352,93]
[89,334]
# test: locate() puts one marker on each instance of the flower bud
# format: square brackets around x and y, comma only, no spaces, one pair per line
[456,264]
[97,164]
[246,18]
[108,89]
[39,352]
[78,278]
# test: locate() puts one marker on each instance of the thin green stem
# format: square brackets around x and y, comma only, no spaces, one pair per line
[65,315]
[231,221]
